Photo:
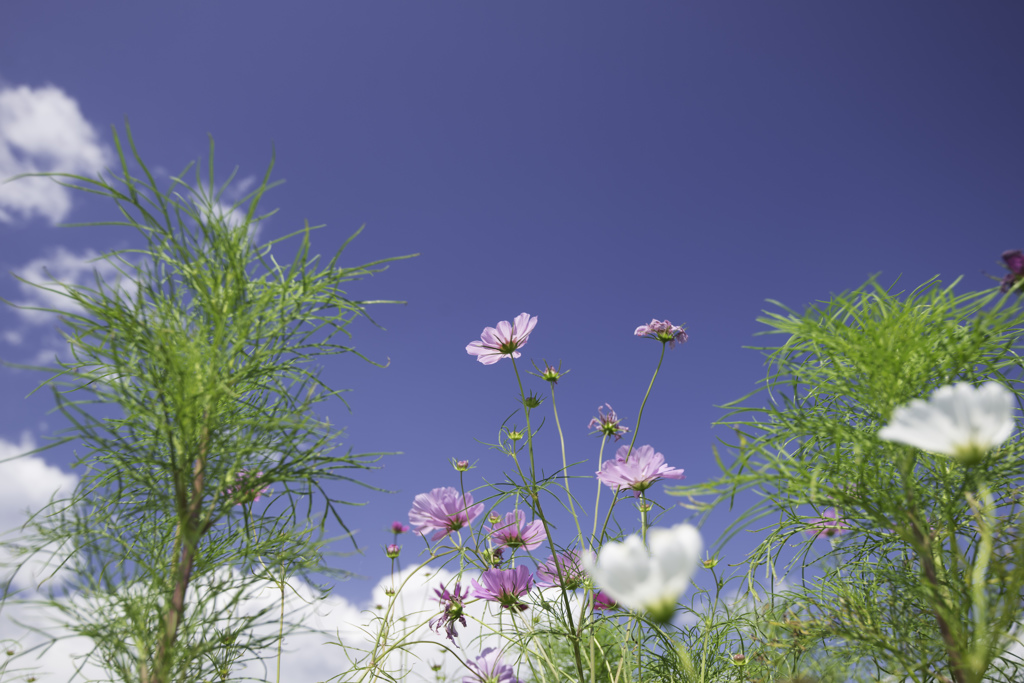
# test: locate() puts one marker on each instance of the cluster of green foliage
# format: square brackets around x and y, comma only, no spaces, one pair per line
[160,543]
[925,584]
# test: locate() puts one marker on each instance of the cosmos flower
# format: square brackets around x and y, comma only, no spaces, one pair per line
[1015,264]
[453,611]
[393,550]
[958,421]
[648,580]
[663,331]
[239,489]
[608,423]
[504,586]
[828,525]
[398,528]
[572,571]
[638,470]
[487,667]
[442,510]
[509,532]
[602,601]
[502,341]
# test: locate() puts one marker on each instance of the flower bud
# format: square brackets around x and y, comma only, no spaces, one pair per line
[532,400]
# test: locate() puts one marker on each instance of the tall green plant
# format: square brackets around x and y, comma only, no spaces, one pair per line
[924,576]
[162,541]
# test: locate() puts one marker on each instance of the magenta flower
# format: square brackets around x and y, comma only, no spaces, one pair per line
[393,551]
[663,331]
[504,586]
[509,532]
[239,489]
[828,525]
[608,423]
[602,601]
[572,572]
[503,341]
[453,611]
[487,667]
[442,510]
[398,528]
[1015,264]
[638,471]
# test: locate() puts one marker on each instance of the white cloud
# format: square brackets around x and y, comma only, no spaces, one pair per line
[27,484]
[43,130]
[61,265]
[306,657]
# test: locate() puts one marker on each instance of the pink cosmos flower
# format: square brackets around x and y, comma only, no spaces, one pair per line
[637,470]
[572,571]
[608,423]
[511,533]
[398,528]
[453,611]
[602,601]
[503,341]
[663,331]
[488,668]
[1015,264]
[241,486]
[828,525]
[442,510]
[504,586]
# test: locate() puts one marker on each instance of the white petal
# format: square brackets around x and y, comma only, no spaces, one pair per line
[676,551]
[620,570]
[956,418]
[994,405]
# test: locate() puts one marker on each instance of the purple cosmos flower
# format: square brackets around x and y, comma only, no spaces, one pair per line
[1015,264]
[663,331]
[452,611]
[393,551]
[504,586]
[608,423]
[443,510]
[602,601]
[502,342]
[488,668]
[509,532]
[828,525]
[398,528]
[572,571]
[240,488]
[637,470]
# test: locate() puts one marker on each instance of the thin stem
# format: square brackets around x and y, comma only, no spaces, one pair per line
[551,542]
[565,466]
[597,499]
[636,432]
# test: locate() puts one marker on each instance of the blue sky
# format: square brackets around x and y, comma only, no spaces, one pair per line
[594,164]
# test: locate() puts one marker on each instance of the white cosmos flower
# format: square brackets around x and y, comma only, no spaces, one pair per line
[650,581]
[959,421]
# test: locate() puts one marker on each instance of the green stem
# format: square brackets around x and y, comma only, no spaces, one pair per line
[636,432]
[565,468]
[597,499]
[540,514]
